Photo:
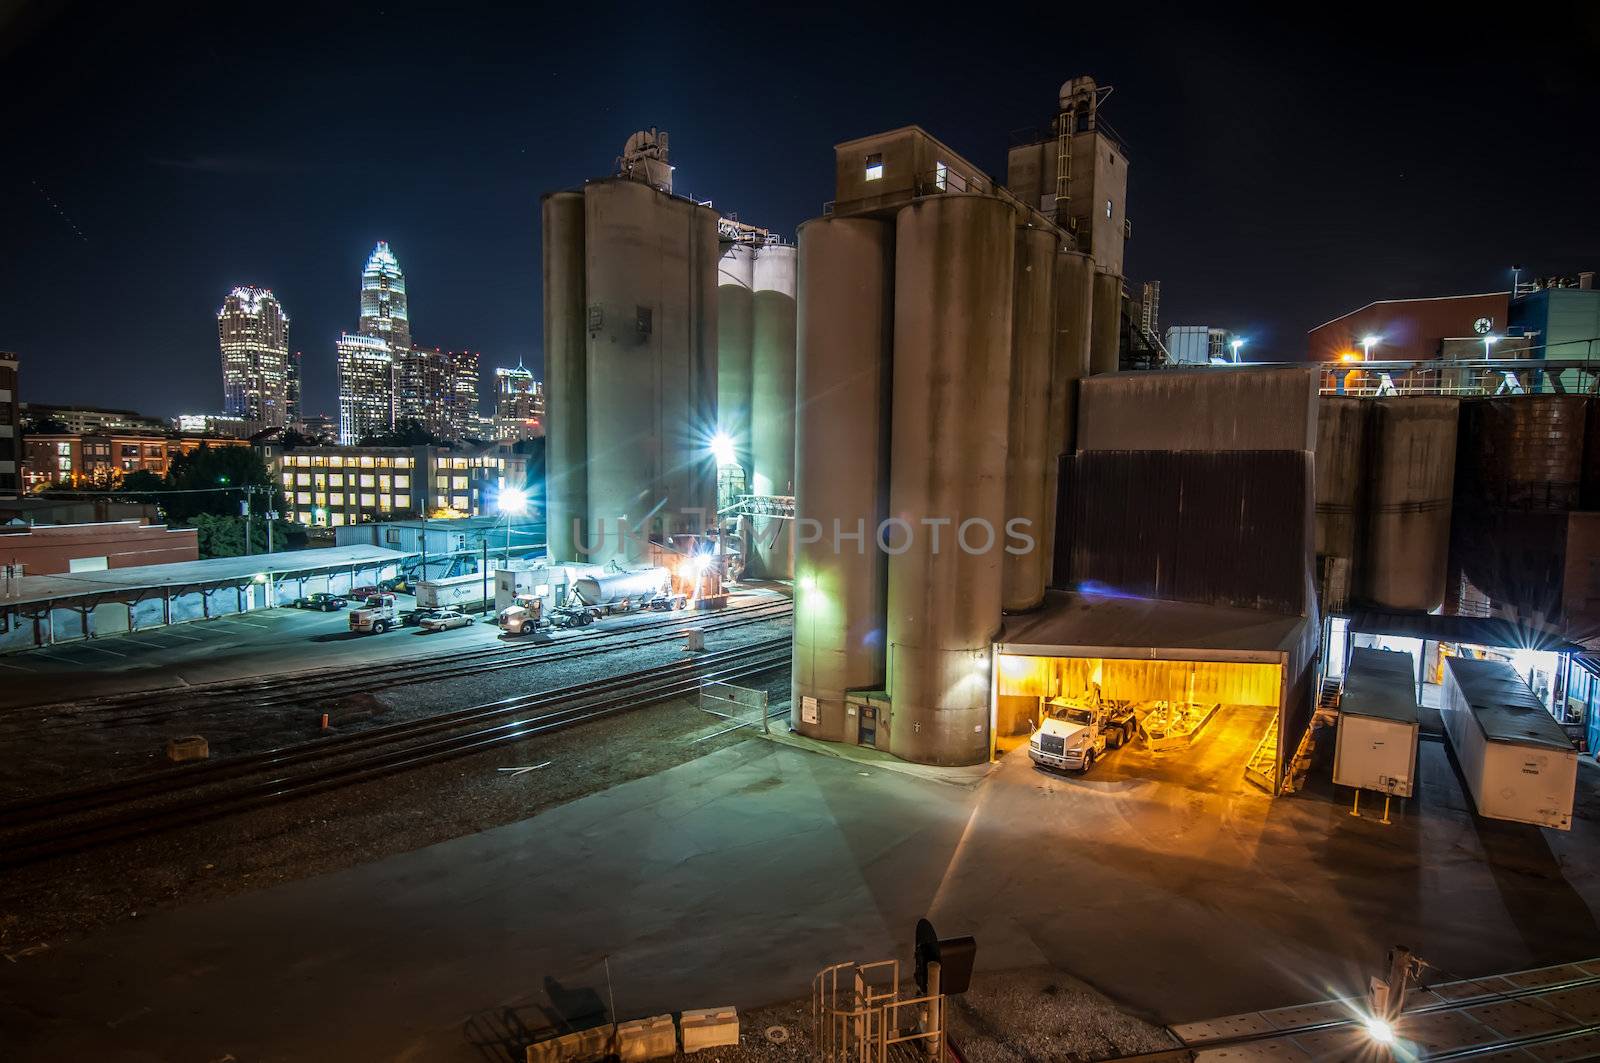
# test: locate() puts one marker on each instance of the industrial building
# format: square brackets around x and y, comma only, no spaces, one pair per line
[944,325]
[633,348]
[44,610]
[10,428]
[52,549]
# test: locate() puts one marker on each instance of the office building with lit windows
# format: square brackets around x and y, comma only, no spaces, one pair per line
[518,404]
[253,332]
[383,300]
[340,486]
[366,387]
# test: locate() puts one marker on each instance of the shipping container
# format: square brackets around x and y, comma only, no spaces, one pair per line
[1377,743]
[460,592]
[1518,762]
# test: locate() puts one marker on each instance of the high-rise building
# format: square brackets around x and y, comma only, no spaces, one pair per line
[383,300]
[10,428]
[458,401]
[254,335]
[292,404]
[518,403]
[366,387]
[416,384]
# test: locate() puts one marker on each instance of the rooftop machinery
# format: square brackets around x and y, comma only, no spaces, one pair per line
[944,324]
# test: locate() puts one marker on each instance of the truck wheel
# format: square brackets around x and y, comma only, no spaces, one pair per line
[527,629]
[379,628]
[681,603]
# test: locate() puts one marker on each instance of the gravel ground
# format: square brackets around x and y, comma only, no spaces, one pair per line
[59,753]
[1035,1015]
[67,897]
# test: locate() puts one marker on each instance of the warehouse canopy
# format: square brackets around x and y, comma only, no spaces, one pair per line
[1105,625]
[143,581]
[1468,630]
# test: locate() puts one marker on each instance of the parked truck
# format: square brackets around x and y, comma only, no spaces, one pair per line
[523,617]
[375,616]
[1075,732]
[460,592]
[622,592]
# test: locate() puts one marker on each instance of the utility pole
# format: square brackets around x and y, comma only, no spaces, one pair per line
[485,567]
[245,505]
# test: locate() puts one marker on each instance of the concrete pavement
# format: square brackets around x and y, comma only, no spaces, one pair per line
[734,877]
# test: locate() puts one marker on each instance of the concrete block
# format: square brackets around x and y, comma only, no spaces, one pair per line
[193,747]
[641,1039]
[595,1043]
[709,1028]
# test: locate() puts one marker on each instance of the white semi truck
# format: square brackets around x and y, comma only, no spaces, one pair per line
[375,616]
[622,592]
[1075,732]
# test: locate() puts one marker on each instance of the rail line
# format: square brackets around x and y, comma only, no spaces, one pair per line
[1579,1028]
[297,688]
[63,823]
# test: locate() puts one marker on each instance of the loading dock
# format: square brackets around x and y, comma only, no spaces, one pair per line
[1376,747]
[1221,692]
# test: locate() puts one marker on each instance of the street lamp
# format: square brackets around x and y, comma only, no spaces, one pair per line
[512,502]
[1236,343]
[1489,341]
[1367,343]
[722,448]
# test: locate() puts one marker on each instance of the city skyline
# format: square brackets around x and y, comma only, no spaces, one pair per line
[1268,197]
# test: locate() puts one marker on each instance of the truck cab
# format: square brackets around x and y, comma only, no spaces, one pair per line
[375,616]
[1075,732]
[523,617]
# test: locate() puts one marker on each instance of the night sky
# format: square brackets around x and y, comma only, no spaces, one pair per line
[155,157]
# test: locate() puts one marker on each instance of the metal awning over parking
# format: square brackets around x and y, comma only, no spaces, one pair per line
[150,581]
[1468,630]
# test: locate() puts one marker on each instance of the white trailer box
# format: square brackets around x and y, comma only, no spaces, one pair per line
[1377,743]
[456,591]
[1518,762]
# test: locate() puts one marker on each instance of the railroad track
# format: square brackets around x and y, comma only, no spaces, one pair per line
[298,688]
[76,820]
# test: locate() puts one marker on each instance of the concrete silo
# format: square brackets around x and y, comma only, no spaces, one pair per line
[1406,554]
[566,399]
[772,396]
[1069,363]
[735,327]
[951,395]
[845,289]
[1340,478]
[651,283]
[1105,344]
[1030,459]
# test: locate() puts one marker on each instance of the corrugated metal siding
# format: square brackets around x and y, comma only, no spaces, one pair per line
[1216,527]
[1204,682]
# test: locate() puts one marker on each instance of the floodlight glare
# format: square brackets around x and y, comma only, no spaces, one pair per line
[513,501]
[722,448]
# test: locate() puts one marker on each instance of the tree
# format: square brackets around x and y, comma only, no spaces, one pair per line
[201,472]
[223,536]
[139,485]
[407,432]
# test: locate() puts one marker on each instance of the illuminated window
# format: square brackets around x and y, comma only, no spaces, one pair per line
[336,479]
[368,501]
[402,482]
[288,479]
[367,461]
[367,479]
[941,176]
[336,499]
[874,167]
[459,502]
[1108,208]
[303,497]
[336,462]
[383,482]
[441,480]
[458,483]
[303,479]
[402,463]
[318,498]
[384,503]
[336,518]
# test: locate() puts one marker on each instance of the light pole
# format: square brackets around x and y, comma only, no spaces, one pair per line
[1236,343]
[513,501]
[1367,343]
[1489,341]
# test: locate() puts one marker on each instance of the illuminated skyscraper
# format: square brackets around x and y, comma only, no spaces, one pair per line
[518,404]
[254,335]
[458,397]
[366,387]
[383,300]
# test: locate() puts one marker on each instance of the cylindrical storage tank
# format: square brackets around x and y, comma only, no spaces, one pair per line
[1524,453]
[614,587]
[1030,463]
[1412,476]
[846,273]
[1340,479]
[952,390]
[652,362]
[771,543]
[1074,294]
[566,382]
[735,325]
[1105,342]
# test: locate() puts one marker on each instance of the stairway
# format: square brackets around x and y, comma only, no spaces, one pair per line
[1262,767]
